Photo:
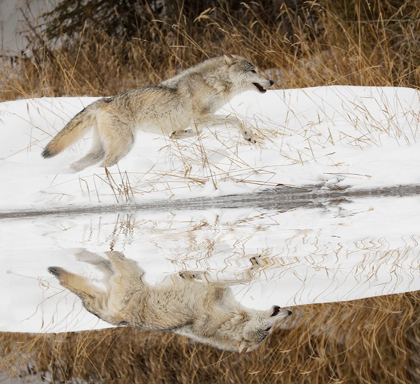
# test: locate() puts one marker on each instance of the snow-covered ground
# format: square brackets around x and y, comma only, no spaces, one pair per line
[352,137]
[362,137]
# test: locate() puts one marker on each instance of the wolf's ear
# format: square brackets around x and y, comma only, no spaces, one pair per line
[228,58]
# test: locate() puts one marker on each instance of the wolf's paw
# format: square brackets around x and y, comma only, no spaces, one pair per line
[249,136]
[256,261]
[194,275]
[184,133]
[86,256]
[76,167]
[188,275]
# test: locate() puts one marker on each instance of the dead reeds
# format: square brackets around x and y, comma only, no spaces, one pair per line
[312,43]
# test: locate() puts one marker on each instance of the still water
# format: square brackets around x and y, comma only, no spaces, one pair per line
[336,251]
[342,267]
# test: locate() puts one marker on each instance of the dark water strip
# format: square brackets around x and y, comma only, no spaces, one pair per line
[279,198]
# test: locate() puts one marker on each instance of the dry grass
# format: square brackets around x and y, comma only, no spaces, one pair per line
[352,42]
[375,340]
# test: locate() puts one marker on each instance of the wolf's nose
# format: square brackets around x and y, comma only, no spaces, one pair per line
[271,82]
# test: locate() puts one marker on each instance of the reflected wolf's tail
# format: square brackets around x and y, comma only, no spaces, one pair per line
[56,271]
[73,130]
[77,284]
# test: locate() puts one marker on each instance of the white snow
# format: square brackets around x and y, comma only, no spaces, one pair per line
[363,137]
[355,137]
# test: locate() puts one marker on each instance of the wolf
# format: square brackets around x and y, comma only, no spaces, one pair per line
[179,107]
[189,303]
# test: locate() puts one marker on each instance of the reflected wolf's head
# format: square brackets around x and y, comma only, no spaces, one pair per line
[248,329]
[189,303]
[246,75]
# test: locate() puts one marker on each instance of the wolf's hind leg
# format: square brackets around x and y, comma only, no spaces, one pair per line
[201,276]
[94,259]
[118,139]
[100,263]
[129,272]
[126,281]
[95,155]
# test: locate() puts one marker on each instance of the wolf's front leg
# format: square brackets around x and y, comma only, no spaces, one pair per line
[206,278]
[232,121]
[199,276]
[248,275]
[127,280]
[185,133]
[193,130]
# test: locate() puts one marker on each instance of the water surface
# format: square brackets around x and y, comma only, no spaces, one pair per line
[328,252]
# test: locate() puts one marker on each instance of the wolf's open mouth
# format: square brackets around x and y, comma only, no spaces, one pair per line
[260,88]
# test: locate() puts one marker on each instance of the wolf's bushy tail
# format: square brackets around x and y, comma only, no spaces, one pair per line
[73,130]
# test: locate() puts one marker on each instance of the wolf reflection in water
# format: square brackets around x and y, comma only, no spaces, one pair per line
[189,303]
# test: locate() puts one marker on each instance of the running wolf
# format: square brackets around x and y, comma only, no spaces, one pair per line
[191,304]
[179,107]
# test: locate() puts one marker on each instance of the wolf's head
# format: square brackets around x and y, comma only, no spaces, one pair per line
[245,75]
[247,329]
[259,326]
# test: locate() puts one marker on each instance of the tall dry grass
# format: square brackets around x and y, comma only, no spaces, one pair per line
[374,340]
[308,43]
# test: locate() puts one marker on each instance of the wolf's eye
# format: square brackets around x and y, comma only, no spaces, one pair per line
[266,330]
[253,71]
